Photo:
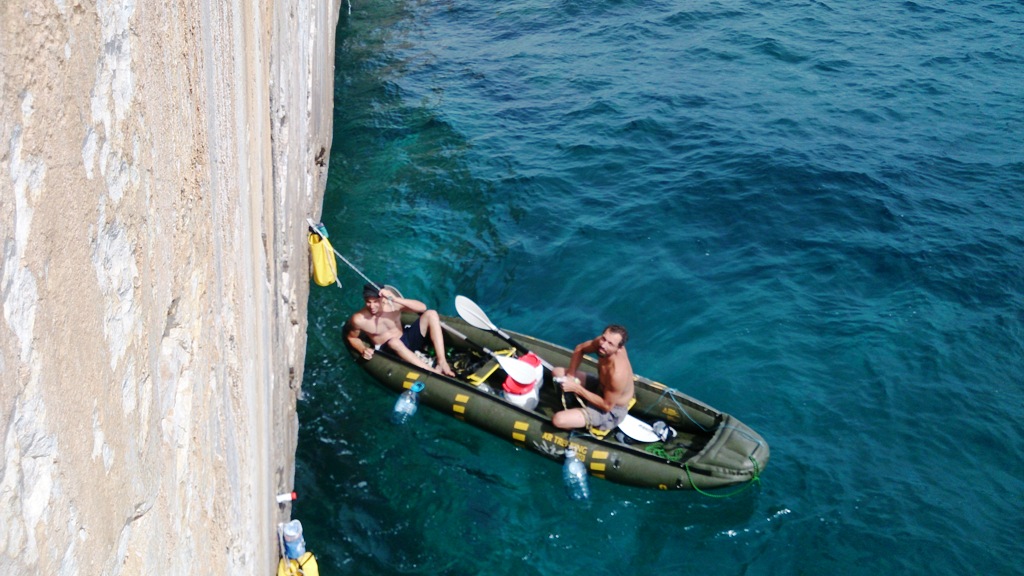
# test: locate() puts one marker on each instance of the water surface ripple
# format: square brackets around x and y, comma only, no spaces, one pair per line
[809,214]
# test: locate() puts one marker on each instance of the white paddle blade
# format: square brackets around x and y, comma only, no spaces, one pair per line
[472,314]
[638,430]
[519,371]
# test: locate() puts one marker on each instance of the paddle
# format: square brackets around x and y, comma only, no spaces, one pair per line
[519,371]
[632,426]
[638,430]
[472,314]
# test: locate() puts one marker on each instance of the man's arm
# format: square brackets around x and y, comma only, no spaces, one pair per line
[573,385]
[582,348]
[352,335]
[403,303]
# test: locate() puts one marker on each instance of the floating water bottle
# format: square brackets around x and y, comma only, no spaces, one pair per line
[575,475]
[405,407]
[294,543]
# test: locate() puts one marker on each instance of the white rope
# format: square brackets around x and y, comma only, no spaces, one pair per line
[317,228]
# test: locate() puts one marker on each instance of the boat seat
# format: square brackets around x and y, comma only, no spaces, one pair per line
[602,433]
[484,372]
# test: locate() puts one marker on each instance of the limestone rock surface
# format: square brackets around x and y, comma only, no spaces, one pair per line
[157,163]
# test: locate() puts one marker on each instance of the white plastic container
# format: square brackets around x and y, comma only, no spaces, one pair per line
[528,400]
[294,543]
[525,394]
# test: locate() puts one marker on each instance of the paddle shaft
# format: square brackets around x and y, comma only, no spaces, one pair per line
[476,317]
[462,336]
[521,348]
[524,349]
[511,366]
[645,428]
[544,362]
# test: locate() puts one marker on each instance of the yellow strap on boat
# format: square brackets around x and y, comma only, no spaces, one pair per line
[325,266]
[485,372]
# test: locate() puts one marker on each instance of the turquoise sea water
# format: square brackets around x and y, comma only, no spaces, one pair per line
[809,214]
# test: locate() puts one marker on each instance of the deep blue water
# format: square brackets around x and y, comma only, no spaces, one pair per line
[809,214]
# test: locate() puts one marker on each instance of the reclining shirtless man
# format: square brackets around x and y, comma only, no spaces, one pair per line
[380,319]
[607,400]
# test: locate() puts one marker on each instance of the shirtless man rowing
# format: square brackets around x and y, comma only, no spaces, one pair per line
[380,320]
[607,402]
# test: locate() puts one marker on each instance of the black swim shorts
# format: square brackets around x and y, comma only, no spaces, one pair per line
[412,337]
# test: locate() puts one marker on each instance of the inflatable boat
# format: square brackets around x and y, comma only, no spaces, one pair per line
[670,441]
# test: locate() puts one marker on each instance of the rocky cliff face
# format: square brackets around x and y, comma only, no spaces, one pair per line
[158,162]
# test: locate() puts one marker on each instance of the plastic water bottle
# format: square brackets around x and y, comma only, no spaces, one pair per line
[294,543]
[575,475]
[406,404]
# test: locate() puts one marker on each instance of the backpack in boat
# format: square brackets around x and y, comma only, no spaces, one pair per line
[321,253]
[305,566]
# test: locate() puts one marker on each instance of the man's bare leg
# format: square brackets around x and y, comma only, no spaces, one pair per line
[409,356]
[433,330]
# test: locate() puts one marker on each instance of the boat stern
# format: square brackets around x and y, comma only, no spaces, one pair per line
[735,454]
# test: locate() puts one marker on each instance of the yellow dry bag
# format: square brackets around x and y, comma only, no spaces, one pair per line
[304,566]
[325,266]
